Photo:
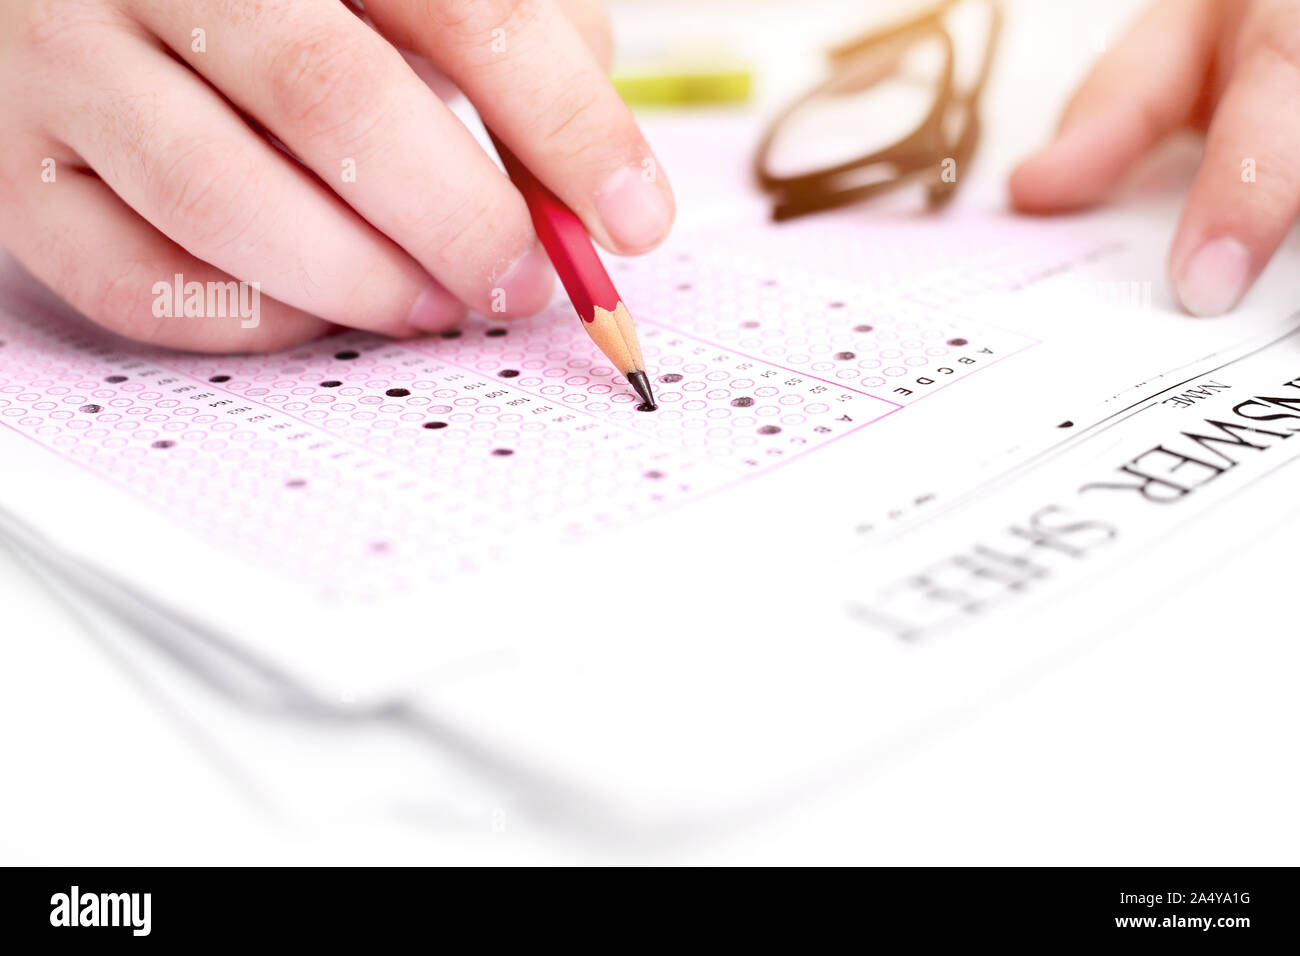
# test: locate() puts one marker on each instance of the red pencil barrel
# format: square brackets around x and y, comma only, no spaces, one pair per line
[566,242]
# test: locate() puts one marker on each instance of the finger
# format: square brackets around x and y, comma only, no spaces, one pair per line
[179,155]
[344,101]
[588,17]
[537,85]
[1246,194]
[82,241]
[1141,90]
[591,20]
[437,81]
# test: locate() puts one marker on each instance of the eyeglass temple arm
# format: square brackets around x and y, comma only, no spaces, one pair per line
[923,20]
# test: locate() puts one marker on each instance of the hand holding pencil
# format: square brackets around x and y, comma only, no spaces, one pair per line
[308,150]
[598,304]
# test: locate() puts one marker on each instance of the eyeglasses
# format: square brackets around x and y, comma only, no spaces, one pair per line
[900,107]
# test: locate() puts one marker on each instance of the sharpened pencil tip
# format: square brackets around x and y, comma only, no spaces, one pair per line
[641,382]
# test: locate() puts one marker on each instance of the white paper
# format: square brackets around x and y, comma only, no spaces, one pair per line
[660,613]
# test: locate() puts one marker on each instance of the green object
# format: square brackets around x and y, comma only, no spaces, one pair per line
[683,86]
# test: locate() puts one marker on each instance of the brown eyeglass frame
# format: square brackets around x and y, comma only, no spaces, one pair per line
[918,156]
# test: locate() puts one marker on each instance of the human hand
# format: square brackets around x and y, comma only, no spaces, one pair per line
[1231,67]
[292,144]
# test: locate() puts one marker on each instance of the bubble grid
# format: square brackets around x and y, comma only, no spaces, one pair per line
[364,466]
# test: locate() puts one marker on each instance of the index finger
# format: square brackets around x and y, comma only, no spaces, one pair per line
[539,87]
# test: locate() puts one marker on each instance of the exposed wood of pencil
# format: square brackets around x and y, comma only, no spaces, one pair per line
[588,285]
[615,335]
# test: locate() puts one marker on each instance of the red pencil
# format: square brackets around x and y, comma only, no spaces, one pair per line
[593,295]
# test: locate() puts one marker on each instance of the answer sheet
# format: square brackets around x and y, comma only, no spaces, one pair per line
[873,432]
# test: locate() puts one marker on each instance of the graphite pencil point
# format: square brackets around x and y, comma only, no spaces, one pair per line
[641,382]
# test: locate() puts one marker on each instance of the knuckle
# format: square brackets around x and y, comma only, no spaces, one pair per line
[459,235]
[474,23]
[325,83]
[566,118]
[44,31]
[243,13]
[214,200]
[62,35]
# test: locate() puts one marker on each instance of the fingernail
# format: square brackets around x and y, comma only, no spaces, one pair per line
[436,310]
[1213,280]
[526,286]
[633,209]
